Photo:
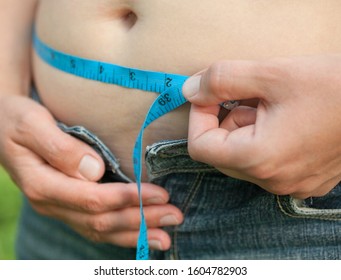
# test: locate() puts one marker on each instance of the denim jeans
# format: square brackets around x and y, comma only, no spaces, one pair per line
[225,218]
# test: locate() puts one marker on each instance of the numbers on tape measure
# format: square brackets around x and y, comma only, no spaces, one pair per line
[132,76]
[168,82]
[165,99]
[72,63]
[100,69]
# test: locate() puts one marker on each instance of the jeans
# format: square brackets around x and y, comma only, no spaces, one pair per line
[225,218]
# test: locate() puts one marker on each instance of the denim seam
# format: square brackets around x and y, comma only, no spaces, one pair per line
[191,195]
[306,215]
[169,152]
[166,171]
[167,145]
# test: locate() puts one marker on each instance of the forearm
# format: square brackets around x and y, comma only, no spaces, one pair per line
[16,17]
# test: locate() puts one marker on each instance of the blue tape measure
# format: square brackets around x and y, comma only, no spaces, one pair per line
[168,85]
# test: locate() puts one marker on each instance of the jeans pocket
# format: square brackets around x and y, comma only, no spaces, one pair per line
[327,207]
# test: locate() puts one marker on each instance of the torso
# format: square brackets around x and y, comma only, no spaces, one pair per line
[178,36]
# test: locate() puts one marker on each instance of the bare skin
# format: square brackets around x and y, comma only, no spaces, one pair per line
[182,37]
[168,36]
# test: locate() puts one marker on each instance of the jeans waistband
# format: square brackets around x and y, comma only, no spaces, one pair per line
[172,156]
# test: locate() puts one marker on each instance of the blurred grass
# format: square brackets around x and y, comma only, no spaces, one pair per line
[10,202]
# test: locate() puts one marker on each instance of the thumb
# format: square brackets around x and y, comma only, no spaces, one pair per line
[62,151]
[229,80]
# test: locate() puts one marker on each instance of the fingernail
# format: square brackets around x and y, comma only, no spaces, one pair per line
[155,244]
[169,220]
[156,200]
[191,86]
[89,167]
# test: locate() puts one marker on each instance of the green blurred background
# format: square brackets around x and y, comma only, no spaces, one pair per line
[10,201]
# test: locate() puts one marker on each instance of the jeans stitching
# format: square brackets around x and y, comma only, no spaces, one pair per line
[334,216]
[174,254]
[183,169]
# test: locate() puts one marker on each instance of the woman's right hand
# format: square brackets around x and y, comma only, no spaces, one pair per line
[58,174]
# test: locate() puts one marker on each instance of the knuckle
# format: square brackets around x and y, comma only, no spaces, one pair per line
[263,172]
[32,194]
[272,179]
[31,191]
[217,79]
[59,150]
[25,121]
[8,150]
[99,224]
[125,196]
[268,162]
[92,204]
[264,167]
[94,236]
[274,71]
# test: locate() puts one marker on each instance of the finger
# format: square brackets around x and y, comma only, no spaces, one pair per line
[232,80]
[126,219]
[43,184]
[98,198]
[39,133]
[239,117]
[158,239]
[120,227]
[209,143]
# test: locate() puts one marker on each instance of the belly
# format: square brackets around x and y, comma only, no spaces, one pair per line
[170,36]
